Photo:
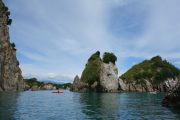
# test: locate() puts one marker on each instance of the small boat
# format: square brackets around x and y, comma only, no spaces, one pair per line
[58,92]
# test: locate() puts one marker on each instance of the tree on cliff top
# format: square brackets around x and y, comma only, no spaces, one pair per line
[109,57]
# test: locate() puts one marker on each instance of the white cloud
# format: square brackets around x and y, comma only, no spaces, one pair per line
[161,34]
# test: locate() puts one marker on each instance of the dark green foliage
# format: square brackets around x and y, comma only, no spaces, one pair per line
[155,70]
[109,57]
[13,45]
[9,22]
[156,58]
[18,63]
[95,56]
[8,13]
[91,72]
[6,9]
[33,81]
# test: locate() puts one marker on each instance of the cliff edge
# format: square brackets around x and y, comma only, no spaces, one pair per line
[10,74]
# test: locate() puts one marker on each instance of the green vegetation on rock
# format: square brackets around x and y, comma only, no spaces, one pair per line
[32,82]
[91,72]
[155,70]
[109,57]
[95,56]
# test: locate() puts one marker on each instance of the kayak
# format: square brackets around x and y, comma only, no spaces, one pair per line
[58,92]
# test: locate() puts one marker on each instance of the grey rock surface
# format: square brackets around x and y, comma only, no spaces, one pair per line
[10,74]
[109,77]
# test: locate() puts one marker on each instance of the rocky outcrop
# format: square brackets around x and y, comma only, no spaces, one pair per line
[147,86]
[79,86]
[122,86]
[109,77]
[98,75]
[48,87]
[35,88]
[172,99]
[169,84]
[10,74]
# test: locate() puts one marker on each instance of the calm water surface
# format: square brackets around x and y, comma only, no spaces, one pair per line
[44,105]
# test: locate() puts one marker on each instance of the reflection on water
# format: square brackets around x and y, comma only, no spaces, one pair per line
[115,106]
[43,105]
[100,106]
[8,102]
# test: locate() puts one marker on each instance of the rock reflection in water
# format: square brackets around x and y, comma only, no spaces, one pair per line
[8,102]
[99,106]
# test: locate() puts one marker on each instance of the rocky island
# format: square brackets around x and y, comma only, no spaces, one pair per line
[100,75]
[155,74]
[151,75]
[10,74]
[33,84]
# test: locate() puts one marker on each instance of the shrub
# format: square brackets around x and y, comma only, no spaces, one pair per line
[6,8]
[9,22]
[109,57]
[95,56]
[13,45]
[156,58]
[8,13]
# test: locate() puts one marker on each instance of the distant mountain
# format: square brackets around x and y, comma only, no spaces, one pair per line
[52,81]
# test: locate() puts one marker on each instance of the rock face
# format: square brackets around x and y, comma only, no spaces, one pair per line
[79,86]
[98,75]
[172,99]
[147,86]
[48,87]
[122,85]
[35,88]
[10,73]
[109,77]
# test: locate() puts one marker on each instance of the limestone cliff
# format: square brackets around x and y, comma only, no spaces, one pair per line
[10,73]
[100,75]
[109,77]
[78,85]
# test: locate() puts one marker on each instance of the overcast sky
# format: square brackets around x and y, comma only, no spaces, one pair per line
[54,38]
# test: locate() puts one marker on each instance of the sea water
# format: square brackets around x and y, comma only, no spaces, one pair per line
[45,105]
